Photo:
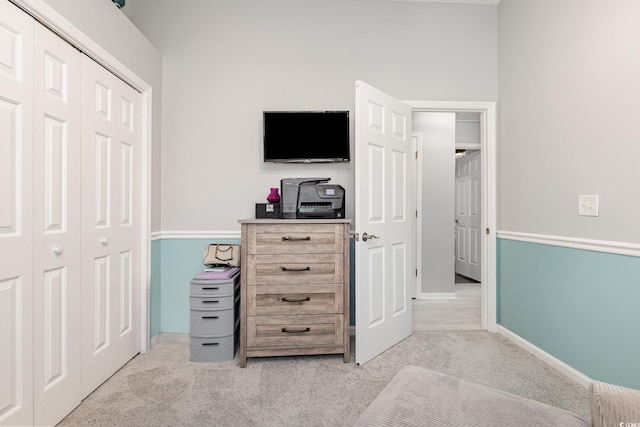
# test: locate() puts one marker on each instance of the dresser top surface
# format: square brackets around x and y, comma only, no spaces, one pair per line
[294,221]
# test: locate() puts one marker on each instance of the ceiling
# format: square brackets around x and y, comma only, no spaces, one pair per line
[494,2]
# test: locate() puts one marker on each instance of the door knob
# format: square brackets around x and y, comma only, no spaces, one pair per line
[104,241]
[366,236]
[58,250]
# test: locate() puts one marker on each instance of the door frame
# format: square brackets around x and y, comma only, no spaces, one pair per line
[69,32]
[488,155]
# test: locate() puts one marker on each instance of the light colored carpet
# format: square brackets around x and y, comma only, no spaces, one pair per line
[162,388]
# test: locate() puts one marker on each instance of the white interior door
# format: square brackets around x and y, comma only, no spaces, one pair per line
[468,216]
[462,217]
[16,216]
[385,221]
[57,148]
[111,224]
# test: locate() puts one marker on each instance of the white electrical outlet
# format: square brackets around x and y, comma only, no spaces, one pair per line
[588,205]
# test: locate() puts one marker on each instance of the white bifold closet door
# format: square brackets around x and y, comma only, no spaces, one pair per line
[16,216]
[56,226]
[69,223]
[111,163]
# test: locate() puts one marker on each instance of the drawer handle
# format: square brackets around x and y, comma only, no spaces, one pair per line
[295,331]
[295,239]
[209,317]
[210,289]
[210,343]
[295,269]
[296,300]
[210,302]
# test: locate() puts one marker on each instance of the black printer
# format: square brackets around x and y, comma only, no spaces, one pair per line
[311,198]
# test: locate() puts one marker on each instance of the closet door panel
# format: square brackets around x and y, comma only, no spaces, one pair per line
[16,216]
[126,211]
[57,157]
[111,224]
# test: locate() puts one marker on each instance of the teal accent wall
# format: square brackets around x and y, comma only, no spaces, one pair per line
[582,307]
[180,260]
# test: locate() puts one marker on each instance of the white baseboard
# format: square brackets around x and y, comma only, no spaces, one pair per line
[170,337]
[436,295]
[550,360]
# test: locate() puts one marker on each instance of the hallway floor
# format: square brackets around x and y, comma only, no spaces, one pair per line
[461,313]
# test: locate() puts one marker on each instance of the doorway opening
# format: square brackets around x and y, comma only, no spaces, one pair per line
[474,124]
[386,207]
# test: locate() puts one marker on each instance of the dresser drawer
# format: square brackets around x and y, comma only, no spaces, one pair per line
[295,331]
[212,302]
[295,238]
[294,287]
[212,322]
[295,269]
[294,299]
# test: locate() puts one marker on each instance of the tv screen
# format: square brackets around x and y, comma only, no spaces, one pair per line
[306,136]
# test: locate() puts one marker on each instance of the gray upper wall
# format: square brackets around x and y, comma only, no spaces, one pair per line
[226,61]
[569,116]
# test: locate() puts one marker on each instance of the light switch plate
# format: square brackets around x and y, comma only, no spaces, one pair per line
[588,205]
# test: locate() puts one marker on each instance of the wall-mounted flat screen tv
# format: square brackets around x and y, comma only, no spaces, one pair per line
[306,136]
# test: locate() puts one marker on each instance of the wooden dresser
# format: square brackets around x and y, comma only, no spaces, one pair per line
[294,291]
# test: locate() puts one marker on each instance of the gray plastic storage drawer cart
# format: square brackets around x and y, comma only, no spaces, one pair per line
[215,319]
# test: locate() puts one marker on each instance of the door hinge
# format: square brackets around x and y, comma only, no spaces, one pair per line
[487,230]
[357,237]
[416,272]
[416,154]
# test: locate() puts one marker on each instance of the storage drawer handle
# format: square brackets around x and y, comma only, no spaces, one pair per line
[295,331]
[296,300]
[295,269]
[210,317]
[210,343]
[295,239]
[210,289]
[210,302]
